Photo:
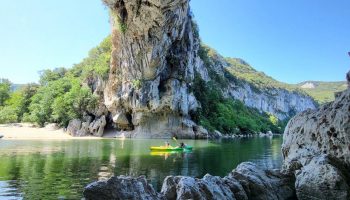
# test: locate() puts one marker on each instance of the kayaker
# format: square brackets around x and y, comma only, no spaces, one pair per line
[167,144]
[182,145]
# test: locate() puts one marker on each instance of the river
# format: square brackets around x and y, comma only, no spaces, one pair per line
[60,169]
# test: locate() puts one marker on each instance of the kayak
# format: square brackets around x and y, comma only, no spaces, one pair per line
[170,148]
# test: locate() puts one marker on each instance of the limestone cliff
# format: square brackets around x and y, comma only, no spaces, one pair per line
[271,96]
[153,60]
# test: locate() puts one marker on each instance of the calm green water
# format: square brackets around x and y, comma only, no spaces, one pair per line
[61,169]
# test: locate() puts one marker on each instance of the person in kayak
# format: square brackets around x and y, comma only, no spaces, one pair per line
[167,144]
[182,145]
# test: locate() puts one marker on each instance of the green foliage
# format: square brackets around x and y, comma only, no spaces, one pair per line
[122,26]
[17,104]
[8,115]
[73,104]
[51,75]
[60,101]
[97,62]
[137,84]
[60,96]
[227,115]
[5,87]
[273,119]
[242,70]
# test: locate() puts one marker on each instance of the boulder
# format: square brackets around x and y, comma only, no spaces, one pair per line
[120,118]
[209,187]
[264,184]
[73,127]
[323,178]
[120,188]
[52,127]
[96,128]
[200,132]
[245,182]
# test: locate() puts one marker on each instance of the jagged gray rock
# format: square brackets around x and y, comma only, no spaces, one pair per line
[316,148]
[264,184]
[323,178]
[73,127]
[120,188]
[152,67]
[246,182]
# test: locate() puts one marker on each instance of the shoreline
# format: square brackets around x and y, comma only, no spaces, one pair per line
[26,131]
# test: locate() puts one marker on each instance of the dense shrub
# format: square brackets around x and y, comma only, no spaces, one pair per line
[5,86]
[60,96]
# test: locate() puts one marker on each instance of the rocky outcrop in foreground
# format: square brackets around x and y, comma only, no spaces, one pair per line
[245,182]
[316,148]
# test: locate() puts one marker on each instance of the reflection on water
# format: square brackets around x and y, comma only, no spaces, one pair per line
[60,169]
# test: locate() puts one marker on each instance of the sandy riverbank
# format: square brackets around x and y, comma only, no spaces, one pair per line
[23,131]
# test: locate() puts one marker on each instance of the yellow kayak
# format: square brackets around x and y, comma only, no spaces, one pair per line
[170,148]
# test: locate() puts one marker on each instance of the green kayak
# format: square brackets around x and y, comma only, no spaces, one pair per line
[170,148]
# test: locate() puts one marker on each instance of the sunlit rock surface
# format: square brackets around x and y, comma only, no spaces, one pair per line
[243,183]
[316,148]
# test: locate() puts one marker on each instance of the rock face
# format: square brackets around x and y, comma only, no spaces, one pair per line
[316,147]
[279,102]
[120,188]
[94,121]
[243,183]
[153,62]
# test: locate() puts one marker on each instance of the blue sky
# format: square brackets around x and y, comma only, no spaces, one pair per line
[291,41]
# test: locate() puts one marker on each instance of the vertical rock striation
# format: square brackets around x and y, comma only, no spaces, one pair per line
[152,67]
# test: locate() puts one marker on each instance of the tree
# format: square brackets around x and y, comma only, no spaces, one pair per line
[51,75]
[5,89]
[73,104]
[8,115]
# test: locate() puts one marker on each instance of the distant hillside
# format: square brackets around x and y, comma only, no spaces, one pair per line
[322,92]
[242,70]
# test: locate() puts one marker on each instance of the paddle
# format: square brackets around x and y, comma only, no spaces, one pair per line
[176,141]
